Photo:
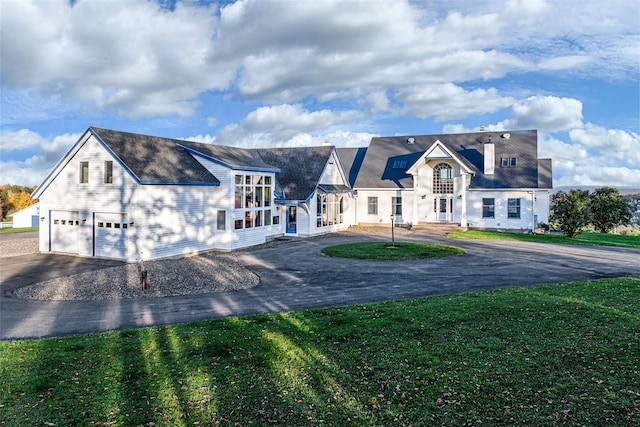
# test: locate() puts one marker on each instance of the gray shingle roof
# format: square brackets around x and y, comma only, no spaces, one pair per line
[300,168]
[155,160]
[351,159]
[233,157]
[378,169]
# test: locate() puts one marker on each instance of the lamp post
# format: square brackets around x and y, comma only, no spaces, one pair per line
[393,237]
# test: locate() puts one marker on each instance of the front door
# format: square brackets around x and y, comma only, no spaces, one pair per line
[292,217]
[442,209]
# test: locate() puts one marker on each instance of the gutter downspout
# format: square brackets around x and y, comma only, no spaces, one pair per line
[533,211]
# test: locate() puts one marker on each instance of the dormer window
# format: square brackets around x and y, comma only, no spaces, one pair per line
[399,164]
[508,162]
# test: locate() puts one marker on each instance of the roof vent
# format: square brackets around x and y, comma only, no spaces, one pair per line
[411,140]
[506,135]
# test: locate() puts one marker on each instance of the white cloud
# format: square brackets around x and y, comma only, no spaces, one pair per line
[282,122]
[263,140]
[19,140]
[564,62]
[614,143]
[546,113]
[448,101]
[129,56]
[605,176]
[565,156]
[212,121]
[377,101]
[283,52]
[34,169]
[594,156]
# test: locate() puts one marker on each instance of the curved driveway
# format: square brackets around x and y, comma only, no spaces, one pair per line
[295,275]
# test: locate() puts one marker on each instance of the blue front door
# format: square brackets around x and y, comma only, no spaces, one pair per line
[292,217]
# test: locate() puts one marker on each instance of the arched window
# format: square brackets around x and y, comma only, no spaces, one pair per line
[443,179]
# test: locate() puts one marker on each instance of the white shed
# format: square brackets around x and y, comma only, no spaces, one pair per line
[27,217]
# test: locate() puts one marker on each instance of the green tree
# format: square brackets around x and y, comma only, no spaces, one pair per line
[608,209]
[570,211]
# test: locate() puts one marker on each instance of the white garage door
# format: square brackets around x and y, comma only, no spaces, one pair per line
[112,233]
[64,231]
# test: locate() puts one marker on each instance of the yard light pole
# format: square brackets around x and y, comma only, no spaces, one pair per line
[393,237]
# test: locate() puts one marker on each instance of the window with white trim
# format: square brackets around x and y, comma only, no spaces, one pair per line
[84,172]
[372,205]
[488,207]
[108,172]
[513,208]
[221,220]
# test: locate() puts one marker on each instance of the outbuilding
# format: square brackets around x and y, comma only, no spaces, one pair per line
[27,217]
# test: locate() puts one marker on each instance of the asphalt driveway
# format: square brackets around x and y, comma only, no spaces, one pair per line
[295,275]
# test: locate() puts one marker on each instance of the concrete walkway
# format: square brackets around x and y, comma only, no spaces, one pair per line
[295,276]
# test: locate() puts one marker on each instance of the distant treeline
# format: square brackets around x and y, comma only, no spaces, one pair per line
[13,198]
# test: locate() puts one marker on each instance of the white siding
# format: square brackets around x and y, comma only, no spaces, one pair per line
[164,220]
[384,206]
[27,217]
[501,221]
[333,172]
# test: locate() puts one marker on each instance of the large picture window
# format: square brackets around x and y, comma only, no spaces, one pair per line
[443,179]
[252,201]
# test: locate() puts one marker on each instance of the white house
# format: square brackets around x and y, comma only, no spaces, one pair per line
[488,180]
[130,196]
[27,217]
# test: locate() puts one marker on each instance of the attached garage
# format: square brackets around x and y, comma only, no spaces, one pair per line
[111,234]
[64,228]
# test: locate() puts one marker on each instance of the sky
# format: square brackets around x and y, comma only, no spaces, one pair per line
[263,73]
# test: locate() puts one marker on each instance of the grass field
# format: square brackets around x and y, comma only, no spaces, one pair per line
[388,251]
[582,238]
[565,354]
[11,230]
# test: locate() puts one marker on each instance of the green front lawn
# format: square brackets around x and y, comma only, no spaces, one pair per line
[564,354]
[582,239]
[9,230]
[388,251]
